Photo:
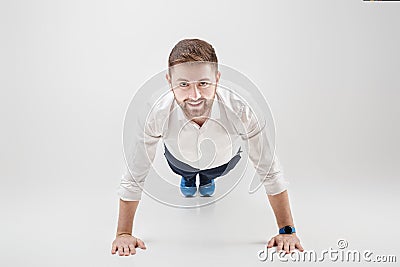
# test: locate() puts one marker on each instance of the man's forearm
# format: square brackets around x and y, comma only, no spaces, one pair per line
[127,210]
[281,207]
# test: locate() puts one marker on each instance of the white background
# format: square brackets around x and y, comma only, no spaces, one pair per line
[68,70]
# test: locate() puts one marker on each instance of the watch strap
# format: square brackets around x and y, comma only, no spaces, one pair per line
[287,230]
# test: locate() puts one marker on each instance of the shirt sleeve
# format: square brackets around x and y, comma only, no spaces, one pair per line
[139,158]
[264,160]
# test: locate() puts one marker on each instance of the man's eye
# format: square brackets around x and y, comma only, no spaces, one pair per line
[183,84]
[204,84]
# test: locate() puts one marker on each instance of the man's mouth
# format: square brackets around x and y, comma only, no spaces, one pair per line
[195,103]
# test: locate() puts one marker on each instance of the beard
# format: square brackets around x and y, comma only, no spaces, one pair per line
[197,109]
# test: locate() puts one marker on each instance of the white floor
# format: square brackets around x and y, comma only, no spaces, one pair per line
[74,227]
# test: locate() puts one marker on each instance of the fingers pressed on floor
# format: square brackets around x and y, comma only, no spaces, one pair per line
[132,248]
[126,250]
[286,247]
[141,244]
[300,247]
[291,249]
[280,245]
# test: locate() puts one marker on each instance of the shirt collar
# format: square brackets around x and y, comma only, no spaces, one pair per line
[215,110]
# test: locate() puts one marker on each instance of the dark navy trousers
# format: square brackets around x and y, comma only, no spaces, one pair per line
[188,172]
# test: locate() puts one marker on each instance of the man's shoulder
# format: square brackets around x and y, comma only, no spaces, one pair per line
[230,100]
[240,111]
[159,105]
[161,102]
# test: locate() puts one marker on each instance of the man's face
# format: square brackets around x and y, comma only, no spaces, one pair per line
[194,85]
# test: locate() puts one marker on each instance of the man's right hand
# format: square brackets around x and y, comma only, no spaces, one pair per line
[126,245]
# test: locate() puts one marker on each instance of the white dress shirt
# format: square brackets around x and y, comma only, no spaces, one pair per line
[213,144]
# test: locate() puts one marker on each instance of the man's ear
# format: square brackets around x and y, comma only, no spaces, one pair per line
[168,80]
[218,76]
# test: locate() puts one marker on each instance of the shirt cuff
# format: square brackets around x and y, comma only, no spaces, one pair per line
[128,195]
[128,190]
[276,184]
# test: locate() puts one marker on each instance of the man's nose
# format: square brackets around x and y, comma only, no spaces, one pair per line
[195,92]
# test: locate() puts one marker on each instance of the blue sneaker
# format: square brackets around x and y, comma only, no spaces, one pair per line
[207,190]
[188,187]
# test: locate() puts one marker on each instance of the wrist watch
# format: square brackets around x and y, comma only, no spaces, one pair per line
[287,230]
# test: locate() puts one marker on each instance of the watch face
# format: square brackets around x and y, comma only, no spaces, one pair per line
[288,230]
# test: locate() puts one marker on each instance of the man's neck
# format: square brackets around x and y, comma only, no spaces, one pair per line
[200,121]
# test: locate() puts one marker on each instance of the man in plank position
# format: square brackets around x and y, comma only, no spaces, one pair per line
[194,111]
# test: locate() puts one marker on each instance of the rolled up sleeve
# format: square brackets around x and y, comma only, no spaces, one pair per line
[139,158]
[262,156]
[130,189]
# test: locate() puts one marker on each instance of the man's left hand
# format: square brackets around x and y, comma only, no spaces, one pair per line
[287,242]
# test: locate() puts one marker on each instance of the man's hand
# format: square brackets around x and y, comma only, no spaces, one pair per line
[287,242]
[126,244]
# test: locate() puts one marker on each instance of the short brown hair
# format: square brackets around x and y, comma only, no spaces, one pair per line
[188,50]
